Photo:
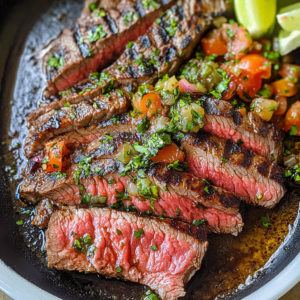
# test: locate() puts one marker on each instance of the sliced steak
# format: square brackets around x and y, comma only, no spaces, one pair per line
[73,117]
[98,38]
[262,137]
[161,255]
[234,168]
[181,195]
[160,51]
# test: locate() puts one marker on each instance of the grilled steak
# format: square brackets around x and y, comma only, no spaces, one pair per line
[234,168]
[165,46]
[262,137]
[74,117]
[181,195]
[161,255]
[98,38]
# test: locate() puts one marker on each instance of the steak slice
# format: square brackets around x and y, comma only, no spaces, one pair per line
[98,38]
[122,123]
[73,117]
[262,137]
[120,244]
[235,168]
[160,51]
[182,195]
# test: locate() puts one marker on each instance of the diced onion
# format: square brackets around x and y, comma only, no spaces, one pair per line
[290,161]
[132,189]
[199,109]
[169,84]
[98,199]
[219,21]
[190,87]
[158,123]
[264,108]
[186,113]
[125,153]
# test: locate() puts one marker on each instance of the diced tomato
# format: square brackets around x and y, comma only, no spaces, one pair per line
[241,43]
[149,104]
[242,111]
[169,154]
[290,71]
[258,47]
[284,87]
[232,40]
[245,85]
[282,106]
[54,156]
[292,117]
[256,64]
[213,45]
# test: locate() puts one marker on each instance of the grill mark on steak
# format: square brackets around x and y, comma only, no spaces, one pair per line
[124,72]
[184,190]
[243,172]
[262,137]
[145,41]
[249,154]
[186,246]
[99,53]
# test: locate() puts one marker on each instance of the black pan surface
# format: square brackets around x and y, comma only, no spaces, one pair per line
[25,27]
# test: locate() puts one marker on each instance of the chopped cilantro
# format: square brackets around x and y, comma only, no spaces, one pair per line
[138,233]
[199,222]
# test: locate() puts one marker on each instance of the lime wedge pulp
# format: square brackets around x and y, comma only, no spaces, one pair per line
[288,41]
[289,17]
[257,16]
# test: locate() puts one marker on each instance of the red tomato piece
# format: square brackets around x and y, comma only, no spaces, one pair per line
[54,156]
[256,64]
[212,44]
[292,117]
[169,154]
[282,106]
[232,40]
[290,71]
[149,104]
[284,87]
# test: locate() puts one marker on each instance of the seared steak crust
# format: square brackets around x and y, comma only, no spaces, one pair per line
[74,117]
[235,168]
[98,38]
[262,137]
[117,251]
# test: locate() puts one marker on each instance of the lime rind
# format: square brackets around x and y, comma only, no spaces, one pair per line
[288,41]
[256,15]
[289,8]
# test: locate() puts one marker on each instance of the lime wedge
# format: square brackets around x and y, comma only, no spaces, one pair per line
[257,16]
[288,41]
[289,17]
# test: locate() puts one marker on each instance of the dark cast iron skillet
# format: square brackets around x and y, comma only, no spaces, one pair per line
[20,22]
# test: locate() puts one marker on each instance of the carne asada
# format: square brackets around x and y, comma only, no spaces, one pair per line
[256,134]
[162,255]
[98,38]
[234,168]
[178,194]
[160,51]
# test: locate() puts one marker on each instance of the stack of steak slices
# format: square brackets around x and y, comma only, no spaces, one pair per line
[181,195]
[86,239]
[160,51]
